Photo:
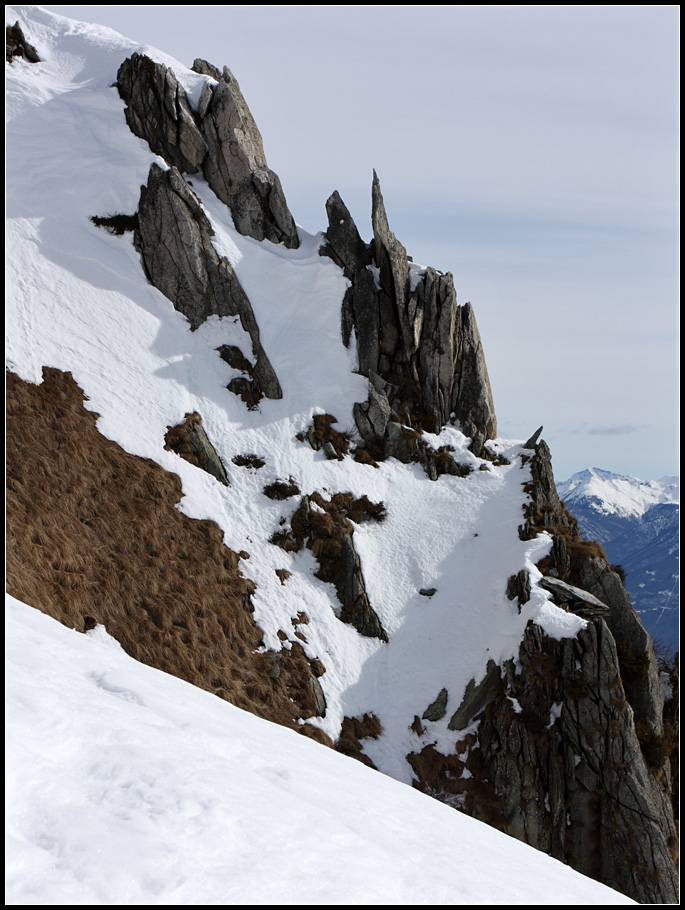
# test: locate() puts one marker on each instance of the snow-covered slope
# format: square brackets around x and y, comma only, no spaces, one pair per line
[79,302]
[638,524]
[127,786]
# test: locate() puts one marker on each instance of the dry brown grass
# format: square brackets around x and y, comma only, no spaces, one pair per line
[321,432]
[281,489]
[116,224]
[94,536]
[353,731]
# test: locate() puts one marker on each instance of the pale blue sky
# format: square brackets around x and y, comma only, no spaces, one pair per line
[533,151]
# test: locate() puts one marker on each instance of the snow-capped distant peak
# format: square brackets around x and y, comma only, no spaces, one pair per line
[619,494]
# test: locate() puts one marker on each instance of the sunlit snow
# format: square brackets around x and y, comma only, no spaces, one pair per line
[130,787]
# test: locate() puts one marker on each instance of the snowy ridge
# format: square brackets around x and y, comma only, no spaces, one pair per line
[619,494]
[79,302]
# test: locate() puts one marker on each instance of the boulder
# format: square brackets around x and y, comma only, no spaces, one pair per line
[158,111]
[189,440]
[174,238]
[16,45]
[236,167]
[437,709]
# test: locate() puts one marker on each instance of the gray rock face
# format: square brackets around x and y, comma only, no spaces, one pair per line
[16,45]
[640,669]
[565,772]
[410,332]
[174,238]
[158,111]
[236,167]
[189,440]
[221,139]
[583,564]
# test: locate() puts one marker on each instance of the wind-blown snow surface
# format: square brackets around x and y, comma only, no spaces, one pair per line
[128,786]
[78,301]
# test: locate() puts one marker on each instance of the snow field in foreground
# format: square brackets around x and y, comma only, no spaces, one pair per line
[128,786]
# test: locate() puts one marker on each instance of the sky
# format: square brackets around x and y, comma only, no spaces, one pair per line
[532,151]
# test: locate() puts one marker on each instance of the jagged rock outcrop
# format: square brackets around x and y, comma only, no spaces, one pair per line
[158,111]
[326,528]
[559,765]
[16,45]
[420,350]
[220,138]
[571,752]
[174,238]
[583,564]
[236,167]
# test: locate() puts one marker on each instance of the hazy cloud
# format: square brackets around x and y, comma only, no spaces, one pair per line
[616,429]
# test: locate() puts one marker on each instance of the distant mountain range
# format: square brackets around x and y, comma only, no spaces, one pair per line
[637,522]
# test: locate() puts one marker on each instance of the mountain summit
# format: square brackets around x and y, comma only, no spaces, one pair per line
[267,463]
[638,524]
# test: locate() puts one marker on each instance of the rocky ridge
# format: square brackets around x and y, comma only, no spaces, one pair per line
[557,760]
[569,751]
[565,748]
[421,351]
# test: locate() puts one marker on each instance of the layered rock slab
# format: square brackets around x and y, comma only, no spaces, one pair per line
[158,111]
[220,139]
[174,239]
[236,166]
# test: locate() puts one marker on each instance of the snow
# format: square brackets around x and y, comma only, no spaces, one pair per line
[197,794]
[127,786]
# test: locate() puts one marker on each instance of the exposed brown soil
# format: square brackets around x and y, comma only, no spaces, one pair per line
[94,536]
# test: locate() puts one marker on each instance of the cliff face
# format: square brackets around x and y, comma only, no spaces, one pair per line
[569,751]
[561,744]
